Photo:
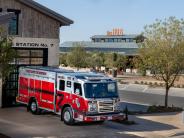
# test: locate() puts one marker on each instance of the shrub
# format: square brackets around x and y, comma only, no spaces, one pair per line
[136,82]
[161,84]
[156,83]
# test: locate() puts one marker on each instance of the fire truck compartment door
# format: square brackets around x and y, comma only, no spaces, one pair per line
[47,94]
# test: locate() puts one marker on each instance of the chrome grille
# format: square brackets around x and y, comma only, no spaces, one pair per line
[105,106]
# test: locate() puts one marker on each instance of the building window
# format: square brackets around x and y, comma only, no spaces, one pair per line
[123,40]
[115,40]
[119,40]
[106,40]
[102,40]
[127,40]
[131,40]
[97,40]
[31,57]
[1,9]
[111,40]
[14,22]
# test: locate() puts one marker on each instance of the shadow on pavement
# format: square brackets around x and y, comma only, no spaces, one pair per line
[149,125]
[4,136]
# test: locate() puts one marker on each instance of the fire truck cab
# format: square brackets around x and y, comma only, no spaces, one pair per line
[76,96]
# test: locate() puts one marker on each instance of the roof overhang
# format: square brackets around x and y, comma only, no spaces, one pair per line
[60,18]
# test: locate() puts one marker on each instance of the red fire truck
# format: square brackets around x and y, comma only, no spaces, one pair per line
[76,96]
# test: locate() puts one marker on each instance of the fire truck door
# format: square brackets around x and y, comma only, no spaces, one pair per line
[78,97]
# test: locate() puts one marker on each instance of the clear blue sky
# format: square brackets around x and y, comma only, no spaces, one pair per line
[95,17]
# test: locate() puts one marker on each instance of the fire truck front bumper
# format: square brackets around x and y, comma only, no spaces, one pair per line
[102,117]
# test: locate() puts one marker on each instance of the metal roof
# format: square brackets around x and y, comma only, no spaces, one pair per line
[126,48]
[86,44]
[63,20]
[5,17]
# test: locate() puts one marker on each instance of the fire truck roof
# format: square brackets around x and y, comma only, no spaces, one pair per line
[90,76]
[52,69]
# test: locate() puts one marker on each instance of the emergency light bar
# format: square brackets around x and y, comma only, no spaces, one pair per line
[96,78]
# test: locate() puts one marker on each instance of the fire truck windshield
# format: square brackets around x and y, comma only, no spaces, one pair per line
[101,90]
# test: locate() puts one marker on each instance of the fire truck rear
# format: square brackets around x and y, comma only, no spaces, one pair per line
[75,96]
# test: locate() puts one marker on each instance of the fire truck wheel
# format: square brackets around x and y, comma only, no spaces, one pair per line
[34,107]
[67,116]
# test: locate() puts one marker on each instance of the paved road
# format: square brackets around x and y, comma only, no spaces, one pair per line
[150,96]
[17,123]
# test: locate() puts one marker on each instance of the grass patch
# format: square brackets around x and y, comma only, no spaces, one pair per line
[162,109]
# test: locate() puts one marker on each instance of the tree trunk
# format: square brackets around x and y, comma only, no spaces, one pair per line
[166,96]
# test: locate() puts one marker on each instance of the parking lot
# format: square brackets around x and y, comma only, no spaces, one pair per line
[18,123]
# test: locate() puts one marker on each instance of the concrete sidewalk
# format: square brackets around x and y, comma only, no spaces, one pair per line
[162,125]
[178,92]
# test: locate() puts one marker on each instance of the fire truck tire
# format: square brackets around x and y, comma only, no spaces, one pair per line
[34,107]
[67,116]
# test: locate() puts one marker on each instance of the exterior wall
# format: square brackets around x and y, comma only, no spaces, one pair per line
[31,22]
[51,44]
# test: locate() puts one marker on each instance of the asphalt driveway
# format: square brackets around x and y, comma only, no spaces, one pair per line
[18,123]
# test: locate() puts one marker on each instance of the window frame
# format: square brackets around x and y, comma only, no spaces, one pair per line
[17,12]
[60,85]
[74,88]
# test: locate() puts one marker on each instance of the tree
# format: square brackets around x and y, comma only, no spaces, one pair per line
[95,59]
[7,55]
[114,60]
[77,57]
[63,59]
[162,51]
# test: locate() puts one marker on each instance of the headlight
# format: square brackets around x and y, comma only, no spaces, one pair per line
[92,107]
[117,107]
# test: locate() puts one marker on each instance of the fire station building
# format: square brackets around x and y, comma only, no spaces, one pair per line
[35,30]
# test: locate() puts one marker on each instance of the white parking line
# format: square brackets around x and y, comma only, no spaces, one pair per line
[123,88]
[145,89]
